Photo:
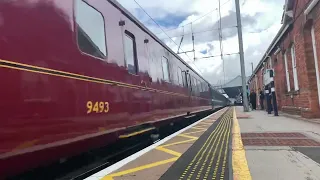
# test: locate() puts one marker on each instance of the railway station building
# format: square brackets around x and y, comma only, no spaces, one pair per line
[294,57]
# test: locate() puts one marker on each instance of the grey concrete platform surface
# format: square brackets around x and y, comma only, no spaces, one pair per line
[280,148]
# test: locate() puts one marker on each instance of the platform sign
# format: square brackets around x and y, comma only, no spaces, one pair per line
[268,76]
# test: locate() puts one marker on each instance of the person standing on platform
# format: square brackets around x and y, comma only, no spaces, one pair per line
[261,98]
[253,100]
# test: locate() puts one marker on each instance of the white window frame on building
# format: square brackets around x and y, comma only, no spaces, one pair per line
[315,61]
[262,73]
[287,71]
[270,63]
[294,68]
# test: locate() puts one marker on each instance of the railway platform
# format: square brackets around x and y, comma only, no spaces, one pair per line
[280,147]
[228,144]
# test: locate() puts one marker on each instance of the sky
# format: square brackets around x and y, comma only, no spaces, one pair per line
[261,20]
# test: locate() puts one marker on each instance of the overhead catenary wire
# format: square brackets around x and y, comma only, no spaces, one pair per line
[218,55]
[206,14]
[220,36]
[194,52]
[198,32]
[193,20]
[164,32]
[157,25]
[219,30]
[192,33]
[181,39]
[220,40]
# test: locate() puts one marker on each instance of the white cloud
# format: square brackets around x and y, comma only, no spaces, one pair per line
[260,19]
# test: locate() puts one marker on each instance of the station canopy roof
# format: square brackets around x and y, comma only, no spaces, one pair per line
[235,82]
[232,88]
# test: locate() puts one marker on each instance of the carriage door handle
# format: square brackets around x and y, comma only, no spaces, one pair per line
[144,84]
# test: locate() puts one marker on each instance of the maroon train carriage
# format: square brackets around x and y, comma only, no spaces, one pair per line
[76,74]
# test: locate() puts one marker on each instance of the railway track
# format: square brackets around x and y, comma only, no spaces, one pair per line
[84,165]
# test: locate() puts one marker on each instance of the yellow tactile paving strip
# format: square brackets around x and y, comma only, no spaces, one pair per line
[239,162]
[207,159]
[174,148]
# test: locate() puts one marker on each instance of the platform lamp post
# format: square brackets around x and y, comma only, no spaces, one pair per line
[243,71]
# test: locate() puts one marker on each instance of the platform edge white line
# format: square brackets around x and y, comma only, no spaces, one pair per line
[125,161]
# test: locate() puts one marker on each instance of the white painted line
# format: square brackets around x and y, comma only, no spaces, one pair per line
[91,178]
[125,161]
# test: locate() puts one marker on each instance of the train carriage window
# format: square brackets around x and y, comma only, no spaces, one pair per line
[179,74]
[165,68]
[184,81]
[130,52]
[90,30]
[190,83]
[178,78]
[194,86]
[202,86]
[198,87]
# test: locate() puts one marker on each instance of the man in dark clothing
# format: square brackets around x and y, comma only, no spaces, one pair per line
[253,99]
[261,98]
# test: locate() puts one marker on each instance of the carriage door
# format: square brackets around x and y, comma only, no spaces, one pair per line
[190,88]
[189,84]
[186,80]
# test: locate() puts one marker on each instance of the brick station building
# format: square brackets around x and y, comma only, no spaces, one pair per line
[294,55]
